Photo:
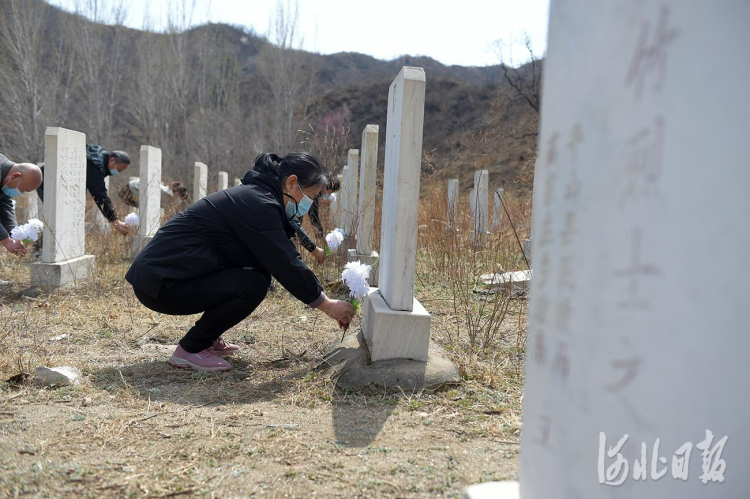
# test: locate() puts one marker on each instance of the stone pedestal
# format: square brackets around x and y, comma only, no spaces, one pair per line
[395,334]
[367,260]
[50,275]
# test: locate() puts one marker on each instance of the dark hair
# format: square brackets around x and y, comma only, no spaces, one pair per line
[334,184]
[306,166]
[120,157]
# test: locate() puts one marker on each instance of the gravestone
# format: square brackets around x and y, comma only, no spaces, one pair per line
[200,180]
[395,334]
[237,182]
[351,207]
[365,251]
[149,197]
[340,212]
[223,181]
[32,205]
[452,215]
[64,258]
[480,203]
[497,208]
[101,224]
[636,371]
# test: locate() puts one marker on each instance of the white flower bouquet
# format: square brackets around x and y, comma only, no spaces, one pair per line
[132,219]
[28,232]
[334,240]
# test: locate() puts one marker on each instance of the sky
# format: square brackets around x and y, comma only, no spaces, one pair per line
[457,32]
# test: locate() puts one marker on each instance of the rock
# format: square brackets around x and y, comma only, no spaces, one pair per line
[32,292]
[60,337]
[87,402]
[57,376]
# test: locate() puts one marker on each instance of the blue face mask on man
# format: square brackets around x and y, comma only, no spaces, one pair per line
[114,172]
[12,192]
[298,209]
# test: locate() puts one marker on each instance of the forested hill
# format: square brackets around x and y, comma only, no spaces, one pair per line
[221,94]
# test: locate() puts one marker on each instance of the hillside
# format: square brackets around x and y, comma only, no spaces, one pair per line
[220,94]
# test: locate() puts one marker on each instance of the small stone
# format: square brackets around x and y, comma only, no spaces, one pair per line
[57,376]
[60,337]
[87,402]
[32,292]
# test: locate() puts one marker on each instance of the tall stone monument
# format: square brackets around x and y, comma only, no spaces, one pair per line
[365,250]
[452,215]
[149,197]
[497,208]
[64,258]
[200,180]
[351,206]
[237,182]
[223,181]
[481,202]
[395,324]
[636,372]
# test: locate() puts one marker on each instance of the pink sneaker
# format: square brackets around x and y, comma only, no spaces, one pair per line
[222,347]
[206,360]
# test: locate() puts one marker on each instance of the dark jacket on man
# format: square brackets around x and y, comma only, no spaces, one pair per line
[244,226]
[97,169]
[7,212]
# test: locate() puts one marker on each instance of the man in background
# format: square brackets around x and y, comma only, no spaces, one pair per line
[15,179]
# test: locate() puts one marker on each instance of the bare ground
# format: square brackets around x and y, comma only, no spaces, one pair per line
[274,426]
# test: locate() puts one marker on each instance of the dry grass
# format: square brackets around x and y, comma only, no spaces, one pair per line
[136,427]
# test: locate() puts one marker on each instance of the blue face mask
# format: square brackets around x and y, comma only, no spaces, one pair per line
[301,208]
[12,192]
[326,196]
[113,172]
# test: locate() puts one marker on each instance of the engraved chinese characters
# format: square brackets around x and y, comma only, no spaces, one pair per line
[635,357]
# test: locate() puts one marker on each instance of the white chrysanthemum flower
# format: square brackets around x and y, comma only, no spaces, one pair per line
[28,231]
[355,276]
[332,197]
[334,239]
[132,219]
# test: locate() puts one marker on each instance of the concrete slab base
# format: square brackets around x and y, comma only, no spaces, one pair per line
[54,275]
[367,260]
[492,490]
[394,334]
[350,366]
[138,244]
[519,280]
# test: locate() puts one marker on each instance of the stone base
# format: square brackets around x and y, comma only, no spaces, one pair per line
[492,490]
[55,275]
[367,260]
[349,359]
[138,244]
[518,281]
[395,334]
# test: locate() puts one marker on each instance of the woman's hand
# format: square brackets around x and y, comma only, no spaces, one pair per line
[338,310]
[319,254]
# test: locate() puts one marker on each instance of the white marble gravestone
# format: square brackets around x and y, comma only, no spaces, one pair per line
[480,204]
[452,215]
[64,258]
[497,208]
[342,199]
[351,206]
[237,182]
[223,181]
[200,180]
[637,370]
[395,324]
[473,209]
[101,224]
[149,197]
[365,250]
[32,205]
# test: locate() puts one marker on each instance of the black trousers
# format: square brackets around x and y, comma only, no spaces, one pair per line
[225,297]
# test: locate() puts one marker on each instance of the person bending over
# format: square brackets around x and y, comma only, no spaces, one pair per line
[15,178]
[99,165]
[217,257]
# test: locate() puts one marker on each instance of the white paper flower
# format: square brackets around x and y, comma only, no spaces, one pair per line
[28,231]
[332,197]
[131,219]
[355,276]
[334,239]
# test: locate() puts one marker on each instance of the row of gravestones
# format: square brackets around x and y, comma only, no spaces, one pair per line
[478,203]
[64,259]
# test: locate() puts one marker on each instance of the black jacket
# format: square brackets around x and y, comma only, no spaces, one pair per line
[243,226]
[7,212]
[97,169]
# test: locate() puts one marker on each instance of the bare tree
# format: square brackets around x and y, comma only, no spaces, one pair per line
[34,78]
[525,78]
